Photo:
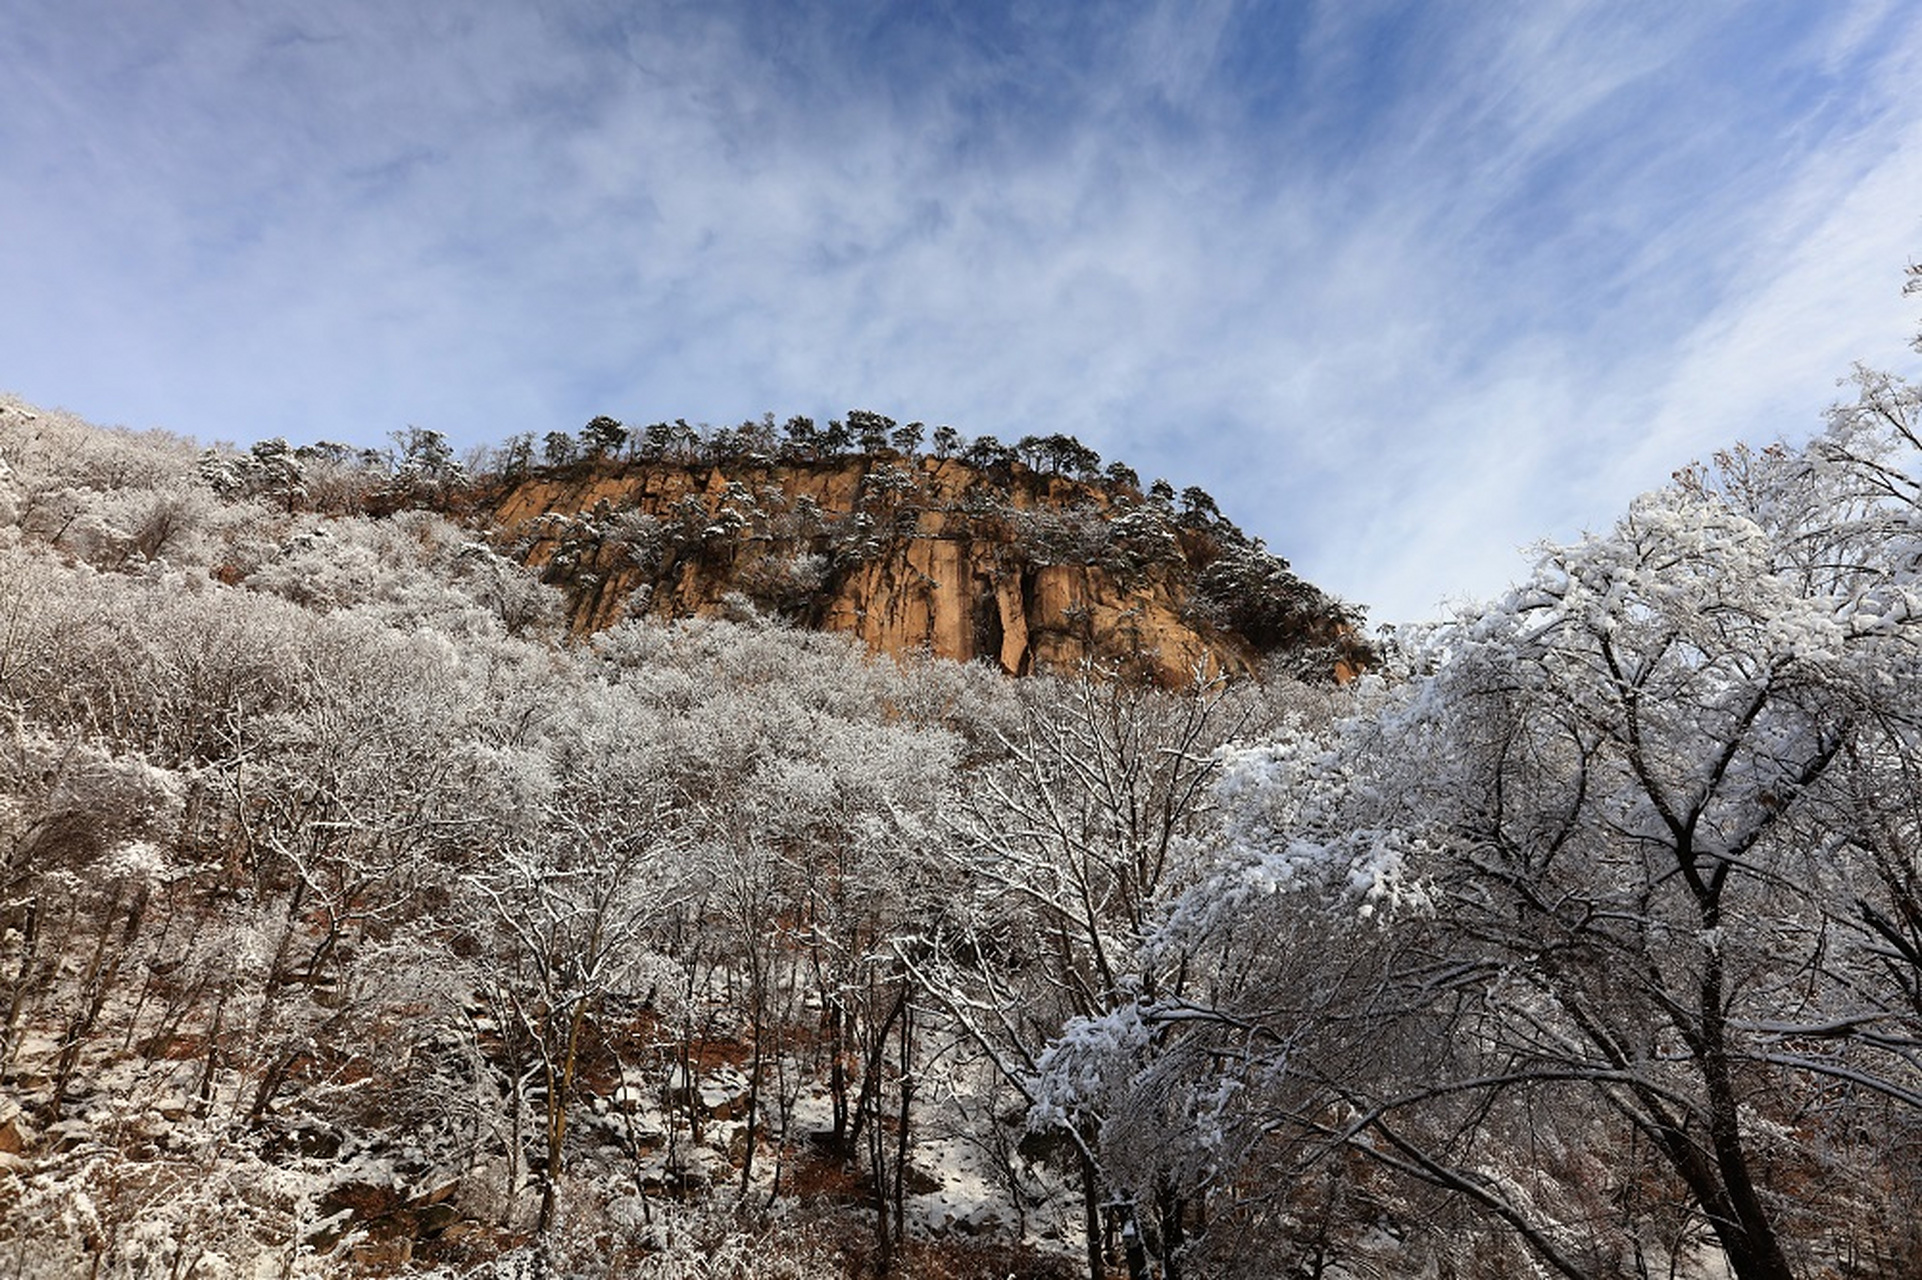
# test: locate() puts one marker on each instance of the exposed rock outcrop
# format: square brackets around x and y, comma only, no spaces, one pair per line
[1027,569]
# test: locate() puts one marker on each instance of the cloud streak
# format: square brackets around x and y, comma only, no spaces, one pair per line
[1405,288]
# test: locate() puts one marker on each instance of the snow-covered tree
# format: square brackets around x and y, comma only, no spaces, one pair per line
[1073,842]
[1656,803]
[571,905]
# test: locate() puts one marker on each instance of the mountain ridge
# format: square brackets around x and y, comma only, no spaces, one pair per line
[1004,562]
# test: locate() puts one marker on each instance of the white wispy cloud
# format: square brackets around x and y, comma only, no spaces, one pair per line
[1404,287]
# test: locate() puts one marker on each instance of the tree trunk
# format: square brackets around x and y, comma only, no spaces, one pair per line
[1748,1237]
[907,1101]
[1091,1215]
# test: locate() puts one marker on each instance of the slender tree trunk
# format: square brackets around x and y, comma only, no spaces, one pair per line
[1091,1215]
[907,1102]
[757,1032]
[91,997]
[206,1089]
[878,1181]
[837,1069]
[17,997]
[1749,1239]
[560,1085]
[1173,1233]
[1133,1247]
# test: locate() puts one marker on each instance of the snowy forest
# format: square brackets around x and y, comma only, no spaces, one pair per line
[359,917]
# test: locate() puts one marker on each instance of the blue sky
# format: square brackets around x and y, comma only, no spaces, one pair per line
[1405,286]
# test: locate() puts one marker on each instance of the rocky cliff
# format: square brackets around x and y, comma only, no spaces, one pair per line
[1029,569]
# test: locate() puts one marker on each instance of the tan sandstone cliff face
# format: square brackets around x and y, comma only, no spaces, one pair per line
[922,554]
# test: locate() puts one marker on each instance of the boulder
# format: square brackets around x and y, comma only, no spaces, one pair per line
[16,1135]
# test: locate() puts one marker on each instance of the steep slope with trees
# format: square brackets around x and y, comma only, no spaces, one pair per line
[365,912]
[356,909]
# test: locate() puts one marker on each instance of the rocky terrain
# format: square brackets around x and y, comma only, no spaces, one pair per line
[1025,568]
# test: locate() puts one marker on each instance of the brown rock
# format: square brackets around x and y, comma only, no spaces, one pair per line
[16,1135]
[924,556]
